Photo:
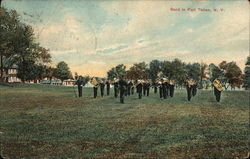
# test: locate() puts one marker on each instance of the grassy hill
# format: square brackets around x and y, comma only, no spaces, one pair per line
[40,121]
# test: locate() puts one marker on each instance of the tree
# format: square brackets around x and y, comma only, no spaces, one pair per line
[246,79]
[8,24]
[28,54]
[50,72]
[179,72]
[203,71]
[40,71]
[86,79]
[174,70]
[76,76]
[62,71]
[29,70]
[17,43]
[214,72]
[26,70]
[203,74]
[166,68]
[193,71]
[138,71]
[232,74]
[116,71]
[154,69]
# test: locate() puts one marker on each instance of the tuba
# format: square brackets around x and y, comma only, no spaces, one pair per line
[190,82]
[94,82]
[217,85]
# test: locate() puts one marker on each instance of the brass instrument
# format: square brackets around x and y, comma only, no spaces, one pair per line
[190,82]
[94,82]
[217,85]
[171,82]
[138,82]
[159,83]
[134,85]
[165,80]
[114,80]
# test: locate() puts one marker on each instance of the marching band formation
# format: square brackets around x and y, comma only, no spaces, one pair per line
[124,87]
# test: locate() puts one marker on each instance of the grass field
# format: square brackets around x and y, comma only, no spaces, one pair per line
[49,122]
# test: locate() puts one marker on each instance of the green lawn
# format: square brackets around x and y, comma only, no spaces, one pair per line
[49,122]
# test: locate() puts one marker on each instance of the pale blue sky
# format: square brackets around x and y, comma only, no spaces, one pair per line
[93,36]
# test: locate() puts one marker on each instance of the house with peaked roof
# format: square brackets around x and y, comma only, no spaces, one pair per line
[9,72]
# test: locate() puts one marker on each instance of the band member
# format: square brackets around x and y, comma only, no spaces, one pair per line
[189,85]
[80,84]
[144,87]
[171,88]
[160,88]
[129,86]
[194,88]
[217,89]
[139,88]
[102,86]
[122,85]
[154,85]
[165,88]
[133,87]
[95,84]
[147,87]
[116,87]
[108,87]
[126,88]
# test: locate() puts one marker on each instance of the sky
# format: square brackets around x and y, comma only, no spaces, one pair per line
[93,36]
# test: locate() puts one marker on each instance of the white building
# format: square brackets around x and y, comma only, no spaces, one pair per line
[10,75]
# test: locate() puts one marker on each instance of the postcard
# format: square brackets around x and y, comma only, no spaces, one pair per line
[124,79]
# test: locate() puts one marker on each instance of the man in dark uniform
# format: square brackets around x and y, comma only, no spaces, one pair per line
[122,86]
[80,84]
[133,87]
[194,88]
[168,87]
[217,89]
[116,87]
[95,84]
[154,85]
[95,91]
[108,87]
[130,84]
[164,88]
[126,88]
[147,87]
[144,87]
[102,86]
[189,85]
[160,88]
[139,88]
[171,88]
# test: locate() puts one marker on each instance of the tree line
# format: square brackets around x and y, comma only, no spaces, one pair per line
[18,47]
[229,73]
